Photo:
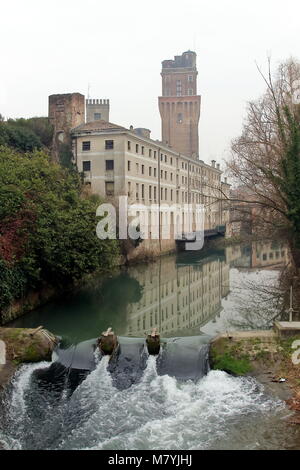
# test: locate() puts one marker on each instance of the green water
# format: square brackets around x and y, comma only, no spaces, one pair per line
[185,294]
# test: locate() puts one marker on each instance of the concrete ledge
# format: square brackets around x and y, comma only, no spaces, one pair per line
[286,328]
[267,336]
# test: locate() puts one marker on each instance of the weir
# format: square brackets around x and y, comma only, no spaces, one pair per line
[182,358]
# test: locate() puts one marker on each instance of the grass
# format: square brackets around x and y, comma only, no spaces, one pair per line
[232,365]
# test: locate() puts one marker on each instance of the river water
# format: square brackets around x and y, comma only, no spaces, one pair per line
[184,295]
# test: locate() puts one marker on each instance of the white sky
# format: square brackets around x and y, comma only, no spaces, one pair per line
[59,46]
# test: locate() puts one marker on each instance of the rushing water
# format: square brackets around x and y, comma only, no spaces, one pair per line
[184,296]
[158,412]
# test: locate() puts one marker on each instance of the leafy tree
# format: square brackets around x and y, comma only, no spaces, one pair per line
[47,228]
[18,137]
[40,126]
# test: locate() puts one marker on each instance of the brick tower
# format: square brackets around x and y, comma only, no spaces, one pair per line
[65,112]
[179,105]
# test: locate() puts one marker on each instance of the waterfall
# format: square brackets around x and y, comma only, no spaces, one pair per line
[157,411]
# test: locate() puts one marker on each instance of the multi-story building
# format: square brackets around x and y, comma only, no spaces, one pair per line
[117,161]
[179,104]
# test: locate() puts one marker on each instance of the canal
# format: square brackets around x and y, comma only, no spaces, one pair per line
[183,295]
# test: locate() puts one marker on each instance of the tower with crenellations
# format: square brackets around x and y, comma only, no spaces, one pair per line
[97,109]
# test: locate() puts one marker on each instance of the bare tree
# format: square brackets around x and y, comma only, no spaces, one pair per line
[266,157]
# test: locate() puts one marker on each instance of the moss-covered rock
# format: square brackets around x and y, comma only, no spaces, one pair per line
[27,345]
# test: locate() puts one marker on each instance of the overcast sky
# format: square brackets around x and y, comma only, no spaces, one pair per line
[116,46]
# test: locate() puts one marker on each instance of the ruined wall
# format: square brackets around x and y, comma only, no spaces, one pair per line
[66,111]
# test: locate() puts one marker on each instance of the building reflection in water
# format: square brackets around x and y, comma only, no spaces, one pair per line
[182,294]
[179,294]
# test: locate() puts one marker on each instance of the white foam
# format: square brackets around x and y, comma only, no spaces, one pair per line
[220,411]
[160,413]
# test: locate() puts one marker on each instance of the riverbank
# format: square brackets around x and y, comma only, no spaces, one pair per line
[266,356]
[23,345]
[34,299]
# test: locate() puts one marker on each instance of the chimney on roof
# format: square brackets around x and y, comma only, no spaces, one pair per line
[213,163]
[131,128]
[218,166]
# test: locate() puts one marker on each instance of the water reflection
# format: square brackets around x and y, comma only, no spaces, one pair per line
[180,295]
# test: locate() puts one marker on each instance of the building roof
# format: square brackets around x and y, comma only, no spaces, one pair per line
[99,125]
[102,126]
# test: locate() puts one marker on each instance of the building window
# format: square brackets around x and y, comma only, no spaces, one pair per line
[154,154]
[178,88]
[166,159]
[154,193]
[143,169]
[137,167]
[109,188]
[179,118]
[190,91]
[97,116]
[150,171]
[171,175]
[137,190]
[109,164]
[86,166]
[161,174]
[166,193]
[129,188]
[143,191]
[142,150]
[150,192]
[137,148]
[161,157]
[166,177]
[86,146]
[128,165]
[171,194]
[171,160]
[190,78]
[109,144]
[150,153]
[128,145]
[154,172]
